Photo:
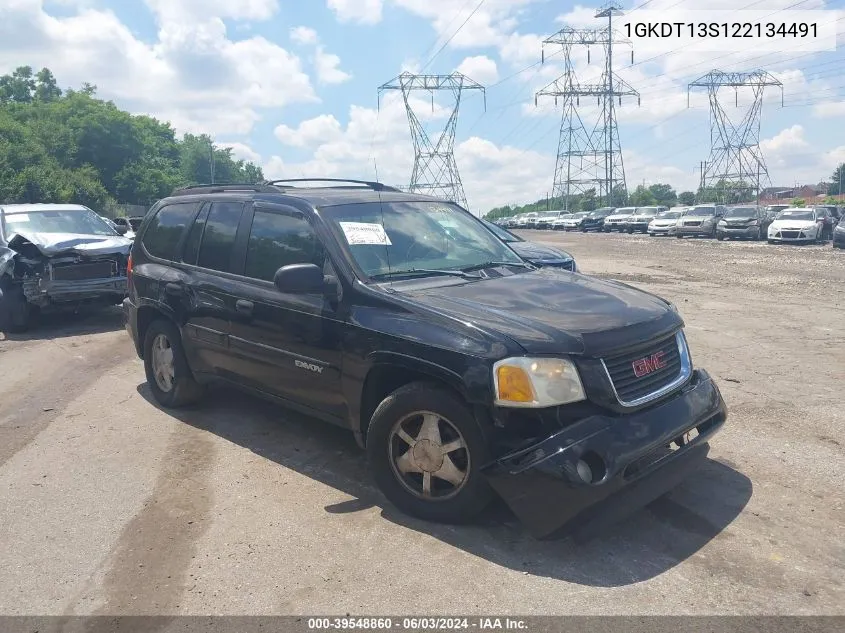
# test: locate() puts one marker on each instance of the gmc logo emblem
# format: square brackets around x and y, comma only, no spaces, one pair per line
[645,366]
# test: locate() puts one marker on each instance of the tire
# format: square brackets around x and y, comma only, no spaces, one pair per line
[15,311]
[679,236]
[447,503]
[184,389]
[770,241]
[720,237]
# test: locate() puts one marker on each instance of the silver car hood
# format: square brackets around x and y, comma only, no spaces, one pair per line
[52,244]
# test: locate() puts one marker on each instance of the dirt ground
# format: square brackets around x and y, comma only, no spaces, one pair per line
[111,505]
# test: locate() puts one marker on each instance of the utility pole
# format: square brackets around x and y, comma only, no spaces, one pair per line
[211,158]
[735,158]
[435,170]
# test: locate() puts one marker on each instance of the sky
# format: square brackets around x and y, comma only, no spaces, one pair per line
[293,84]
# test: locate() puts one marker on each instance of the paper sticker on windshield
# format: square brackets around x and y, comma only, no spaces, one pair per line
[365,233]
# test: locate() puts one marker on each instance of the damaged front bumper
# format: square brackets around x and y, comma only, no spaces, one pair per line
[43,292]
[630,461]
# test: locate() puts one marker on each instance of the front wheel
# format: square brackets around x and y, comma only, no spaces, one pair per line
[425,451]
[168,374]
[14,308]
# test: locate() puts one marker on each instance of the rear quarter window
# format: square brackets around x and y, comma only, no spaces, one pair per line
[162,236]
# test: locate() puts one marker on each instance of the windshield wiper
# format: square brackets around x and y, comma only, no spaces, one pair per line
[425,271]
[492,264]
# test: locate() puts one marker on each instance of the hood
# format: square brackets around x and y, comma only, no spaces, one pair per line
[51,244]
[786,222]
[664,221]
[739,220]
[532,251]
[619,216]
[548,311]
[702,218]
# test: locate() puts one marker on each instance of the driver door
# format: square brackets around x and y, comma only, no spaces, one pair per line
[286,345]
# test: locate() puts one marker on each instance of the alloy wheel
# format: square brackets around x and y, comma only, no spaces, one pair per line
[429,456]
[164,369]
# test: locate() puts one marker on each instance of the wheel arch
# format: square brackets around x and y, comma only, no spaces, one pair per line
[388,373]
[147,313]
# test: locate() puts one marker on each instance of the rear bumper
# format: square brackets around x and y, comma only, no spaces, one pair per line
[541,483]
[130,313]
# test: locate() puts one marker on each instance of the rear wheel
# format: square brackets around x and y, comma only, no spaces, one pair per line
[425,450]
[14,309]
[168,374]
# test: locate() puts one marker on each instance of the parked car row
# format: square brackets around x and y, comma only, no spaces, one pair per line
[775,223]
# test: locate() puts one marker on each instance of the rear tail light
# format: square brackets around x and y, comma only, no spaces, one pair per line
[129,272]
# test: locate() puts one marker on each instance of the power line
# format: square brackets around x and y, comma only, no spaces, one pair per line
[446,43]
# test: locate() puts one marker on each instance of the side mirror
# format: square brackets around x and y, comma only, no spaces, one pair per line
[121,230]
[300,279]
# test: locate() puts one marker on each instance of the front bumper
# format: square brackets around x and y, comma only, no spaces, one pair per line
[541,483]
[637,226]
[745,231]
[660,230]
[702,229]
[45,292]
[614,226]
[794,235]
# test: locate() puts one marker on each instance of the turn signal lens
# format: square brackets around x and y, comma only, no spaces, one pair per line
[514,384]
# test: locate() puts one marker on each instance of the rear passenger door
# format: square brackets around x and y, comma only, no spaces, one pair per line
[286,344]
[206,286]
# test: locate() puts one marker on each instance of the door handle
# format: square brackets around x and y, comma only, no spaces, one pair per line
[244,307]
[173,289]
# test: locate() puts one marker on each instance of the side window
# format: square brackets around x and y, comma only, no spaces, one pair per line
[164,231]
[277,240]
[192,244]
[218,238]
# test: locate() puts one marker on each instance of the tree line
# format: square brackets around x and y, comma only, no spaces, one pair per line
[69,146]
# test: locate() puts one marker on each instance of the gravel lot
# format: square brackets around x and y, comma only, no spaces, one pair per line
[110,505]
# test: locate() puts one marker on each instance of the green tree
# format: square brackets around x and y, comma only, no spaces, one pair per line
[641,197]
[664,195]
[837,181]
[798,202]
[588,202]
[46,87]
[686,198]
[17,87]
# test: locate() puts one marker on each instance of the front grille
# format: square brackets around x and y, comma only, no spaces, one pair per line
[691,223]
[78,272]
[790,235]
[630,387]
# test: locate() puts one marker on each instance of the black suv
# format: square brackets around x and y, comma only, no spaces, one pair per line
[463,370]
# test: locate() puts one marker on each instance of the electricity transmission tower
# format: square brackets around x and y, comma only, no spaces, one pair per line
[588,159]
[435,170]
[735,168]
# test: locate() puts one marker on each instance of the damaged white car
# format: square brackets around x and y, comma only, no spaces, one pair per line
[57,256]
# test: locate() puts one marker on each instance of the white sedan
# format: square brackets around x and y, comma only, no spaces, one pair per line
[796,224]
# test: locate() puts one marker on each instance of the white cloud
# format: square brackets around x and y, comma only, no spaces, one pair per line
[360,11]
[194,75]
[480,68]
[241,151]
[311,132]
[827,109]
[303,35]
[328,68]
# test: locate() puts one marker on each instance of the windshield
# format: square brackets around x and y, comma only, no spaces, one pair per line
[502,234]
[699,211]
[60,221]
[575,216]
[646,211]
[796,214]
[741,212]
[669,215]
[395,237]
[625,211]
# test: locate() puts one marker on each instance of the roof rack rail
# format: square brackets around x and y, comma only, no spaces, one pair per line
[189,190]
[375,186]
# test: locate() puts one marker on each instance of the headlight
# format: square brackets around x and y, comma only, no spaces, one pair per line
[536,382]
